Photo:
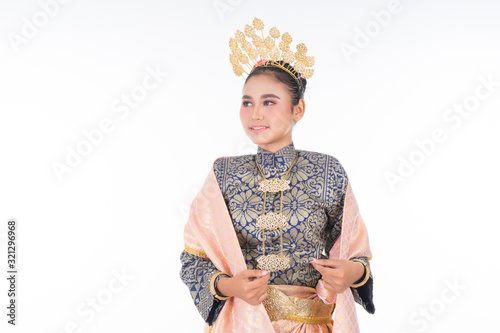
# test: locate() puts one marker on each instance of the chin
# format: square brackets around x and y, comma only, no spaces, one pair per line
[255,139]
[259,141]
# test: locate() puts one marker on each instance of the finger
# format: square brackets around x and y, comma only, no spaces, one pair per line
[262,296]
[259,283]
[331,287]
[337,285]
[265,278]
[254,273]
[319,268]
[332,263]
[331,273]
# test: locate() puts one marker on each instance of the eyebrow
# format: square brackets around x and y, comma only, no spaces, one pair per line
[263,96]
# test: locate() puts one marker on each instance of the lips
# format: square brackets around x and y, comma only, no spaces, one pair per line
[258,128]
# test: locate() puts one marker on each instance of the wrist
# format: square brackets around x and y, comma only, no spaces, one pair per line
[215,286]
[360,272]
[224,286]
[365,275]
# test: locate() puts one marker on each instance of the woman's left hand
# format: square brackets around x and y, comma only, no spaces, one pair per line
[338,275]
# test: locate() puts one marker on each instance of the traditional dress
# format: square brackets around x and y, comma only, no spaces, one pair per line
[324,222]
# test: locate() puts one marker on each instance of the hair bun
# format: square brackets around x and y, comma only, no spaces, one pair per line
[303,83]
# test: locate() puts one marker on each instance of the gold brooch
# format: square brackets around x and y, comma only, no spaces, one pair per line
[273,262]
[272,221]
[274,185]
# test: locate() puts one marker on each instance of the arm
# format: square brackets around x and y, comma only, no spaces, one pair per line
[197,273]
[362,288]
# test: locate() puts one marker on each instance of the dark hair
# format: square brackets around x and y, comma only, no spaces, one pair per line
[296,91]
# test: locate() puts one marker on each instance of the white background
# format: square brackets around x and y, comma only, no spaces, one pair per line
[121,209]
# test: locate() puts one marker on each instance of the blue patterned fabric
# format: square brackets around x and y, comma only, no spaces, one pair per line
[196,273]
[314,203]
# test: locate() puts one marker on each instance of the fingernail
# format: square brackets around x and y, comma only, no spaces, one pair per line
[264,272]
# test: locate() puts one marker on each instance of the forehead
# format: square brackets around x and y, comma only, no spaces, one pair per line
[264,84]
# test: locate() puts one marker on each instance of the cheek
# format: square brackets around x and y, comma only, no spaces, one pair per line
[243,115]
[280,116]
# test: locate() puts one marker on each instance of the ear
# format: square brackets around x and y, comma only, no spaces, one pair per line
[298,110]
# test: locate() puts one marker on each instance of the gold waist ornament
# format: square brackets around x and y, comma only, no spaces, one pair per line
[281,306]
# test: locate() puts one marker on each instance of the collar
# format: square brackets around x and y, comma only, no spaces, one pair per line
[278,162]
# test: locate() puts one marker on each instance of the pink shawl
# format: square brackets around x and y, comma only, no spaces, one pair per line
[210,231]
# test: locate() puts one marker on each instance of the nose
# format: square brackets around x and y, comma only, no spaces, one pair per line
[256,112]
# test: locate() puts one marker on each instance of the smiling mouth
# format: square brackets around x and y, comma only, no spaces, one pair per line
[258,127]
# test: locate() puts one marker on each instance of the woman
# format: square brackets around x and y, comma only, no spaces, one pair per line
[274,240]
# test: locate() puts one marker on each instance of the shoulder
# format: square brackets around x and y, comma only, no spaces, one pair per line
[226,163]
[226,167]
[325,162]
[328,170]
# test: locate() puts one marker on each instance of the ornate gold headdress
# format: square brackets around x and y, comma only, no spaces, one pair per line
[264,52]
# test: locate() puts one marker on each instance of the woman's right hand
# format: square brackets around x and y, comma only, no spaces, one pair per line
[248,285]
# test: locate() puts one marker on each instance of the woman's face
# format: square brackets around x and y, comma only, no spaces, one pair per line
[266,112]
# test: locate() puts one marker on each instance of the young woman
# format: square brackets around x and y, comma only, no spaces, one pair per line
[274,240]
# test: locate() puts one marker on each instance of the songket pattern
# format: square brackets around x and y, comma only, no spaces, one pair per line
[314,206]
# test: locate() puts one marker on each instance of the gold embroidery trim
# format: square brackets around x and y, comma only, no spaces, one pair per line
[367,274]
[195,252]
[310,319]
[212,287]
[280,306]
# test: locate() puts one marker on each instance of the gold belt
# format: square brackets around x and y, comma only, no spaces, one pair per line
[281,306]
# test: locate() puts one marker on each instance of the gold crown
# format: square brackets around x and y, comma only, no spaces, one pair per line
[264,52]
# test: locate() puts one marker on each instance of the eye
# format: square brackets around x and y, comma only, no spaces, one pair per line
[268,102]
[246,103]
